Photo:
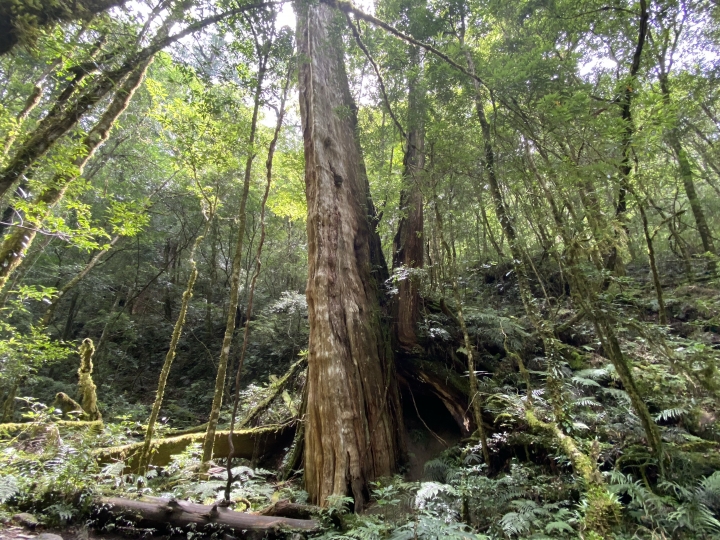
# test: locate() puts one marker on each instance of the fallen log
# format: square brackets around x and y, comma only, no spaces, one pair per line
[285,508]
[157,513]
[12,429]
[248,443]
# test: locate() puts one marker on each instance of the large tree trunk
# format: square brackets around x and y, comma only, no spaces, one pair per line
[354,423]
[408,245]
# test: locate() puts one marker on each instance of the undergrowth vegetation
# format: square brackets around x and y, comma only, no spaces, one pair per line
[528,490]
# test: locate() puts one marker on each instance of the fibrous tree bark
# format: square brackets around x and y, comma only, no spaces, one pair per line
[353,420]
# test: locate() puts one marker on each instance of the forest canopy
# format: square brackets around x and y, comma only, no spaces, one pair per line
[395,269]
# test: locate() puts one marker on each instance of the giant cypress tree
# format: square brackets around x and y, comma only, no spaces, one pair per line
[353,422]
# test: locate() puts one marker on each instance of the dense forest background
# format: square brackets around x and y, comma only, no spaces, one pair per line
[539,194]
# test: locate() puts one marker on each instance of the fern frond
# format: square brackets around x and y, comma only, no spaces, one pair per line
[9,487]
[670,414]
[582,381]
[593,374]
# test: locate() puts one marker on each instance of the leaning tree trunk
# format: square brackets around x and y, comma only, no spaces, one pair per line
[408,244]
[19,240]
[170,356]
[353,421]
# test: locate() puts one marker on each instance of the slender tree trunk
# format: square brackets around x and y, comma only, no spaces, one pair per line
[613,260]
[170,356]
[353,423]
[50,311]
[237,265]
[253,282]
[104,335]
[662,315]
[18,241]
[476,400]
[72,312]
[672,136]
[408,244]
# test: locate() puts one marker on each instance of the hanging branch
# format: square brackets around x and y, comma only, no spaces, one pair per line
[251,293]
[381,82]
[347,7]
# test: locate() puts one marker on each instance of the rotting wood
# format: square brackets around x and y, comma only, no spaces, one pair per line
[268,438]
[288,509]
[157,512]
[274,391]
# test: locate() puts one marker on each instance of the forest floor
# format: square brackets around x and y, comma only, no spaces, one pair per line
[528,491]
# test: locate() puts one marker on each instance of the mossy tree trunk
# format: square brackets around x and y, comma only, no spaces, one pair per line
[18,241]
[237,263]
[253,281]
[88,394]
[613,261]
[170,356]
[22,21]
[353,420]
[674,141]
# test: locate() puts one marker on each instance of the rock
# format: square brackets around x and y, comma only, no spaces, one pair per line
[26,520]
[48,536]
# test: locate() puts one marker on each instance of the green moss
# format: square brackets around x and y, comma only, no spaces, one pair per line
[87,386]
[602,510]
[162,450]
